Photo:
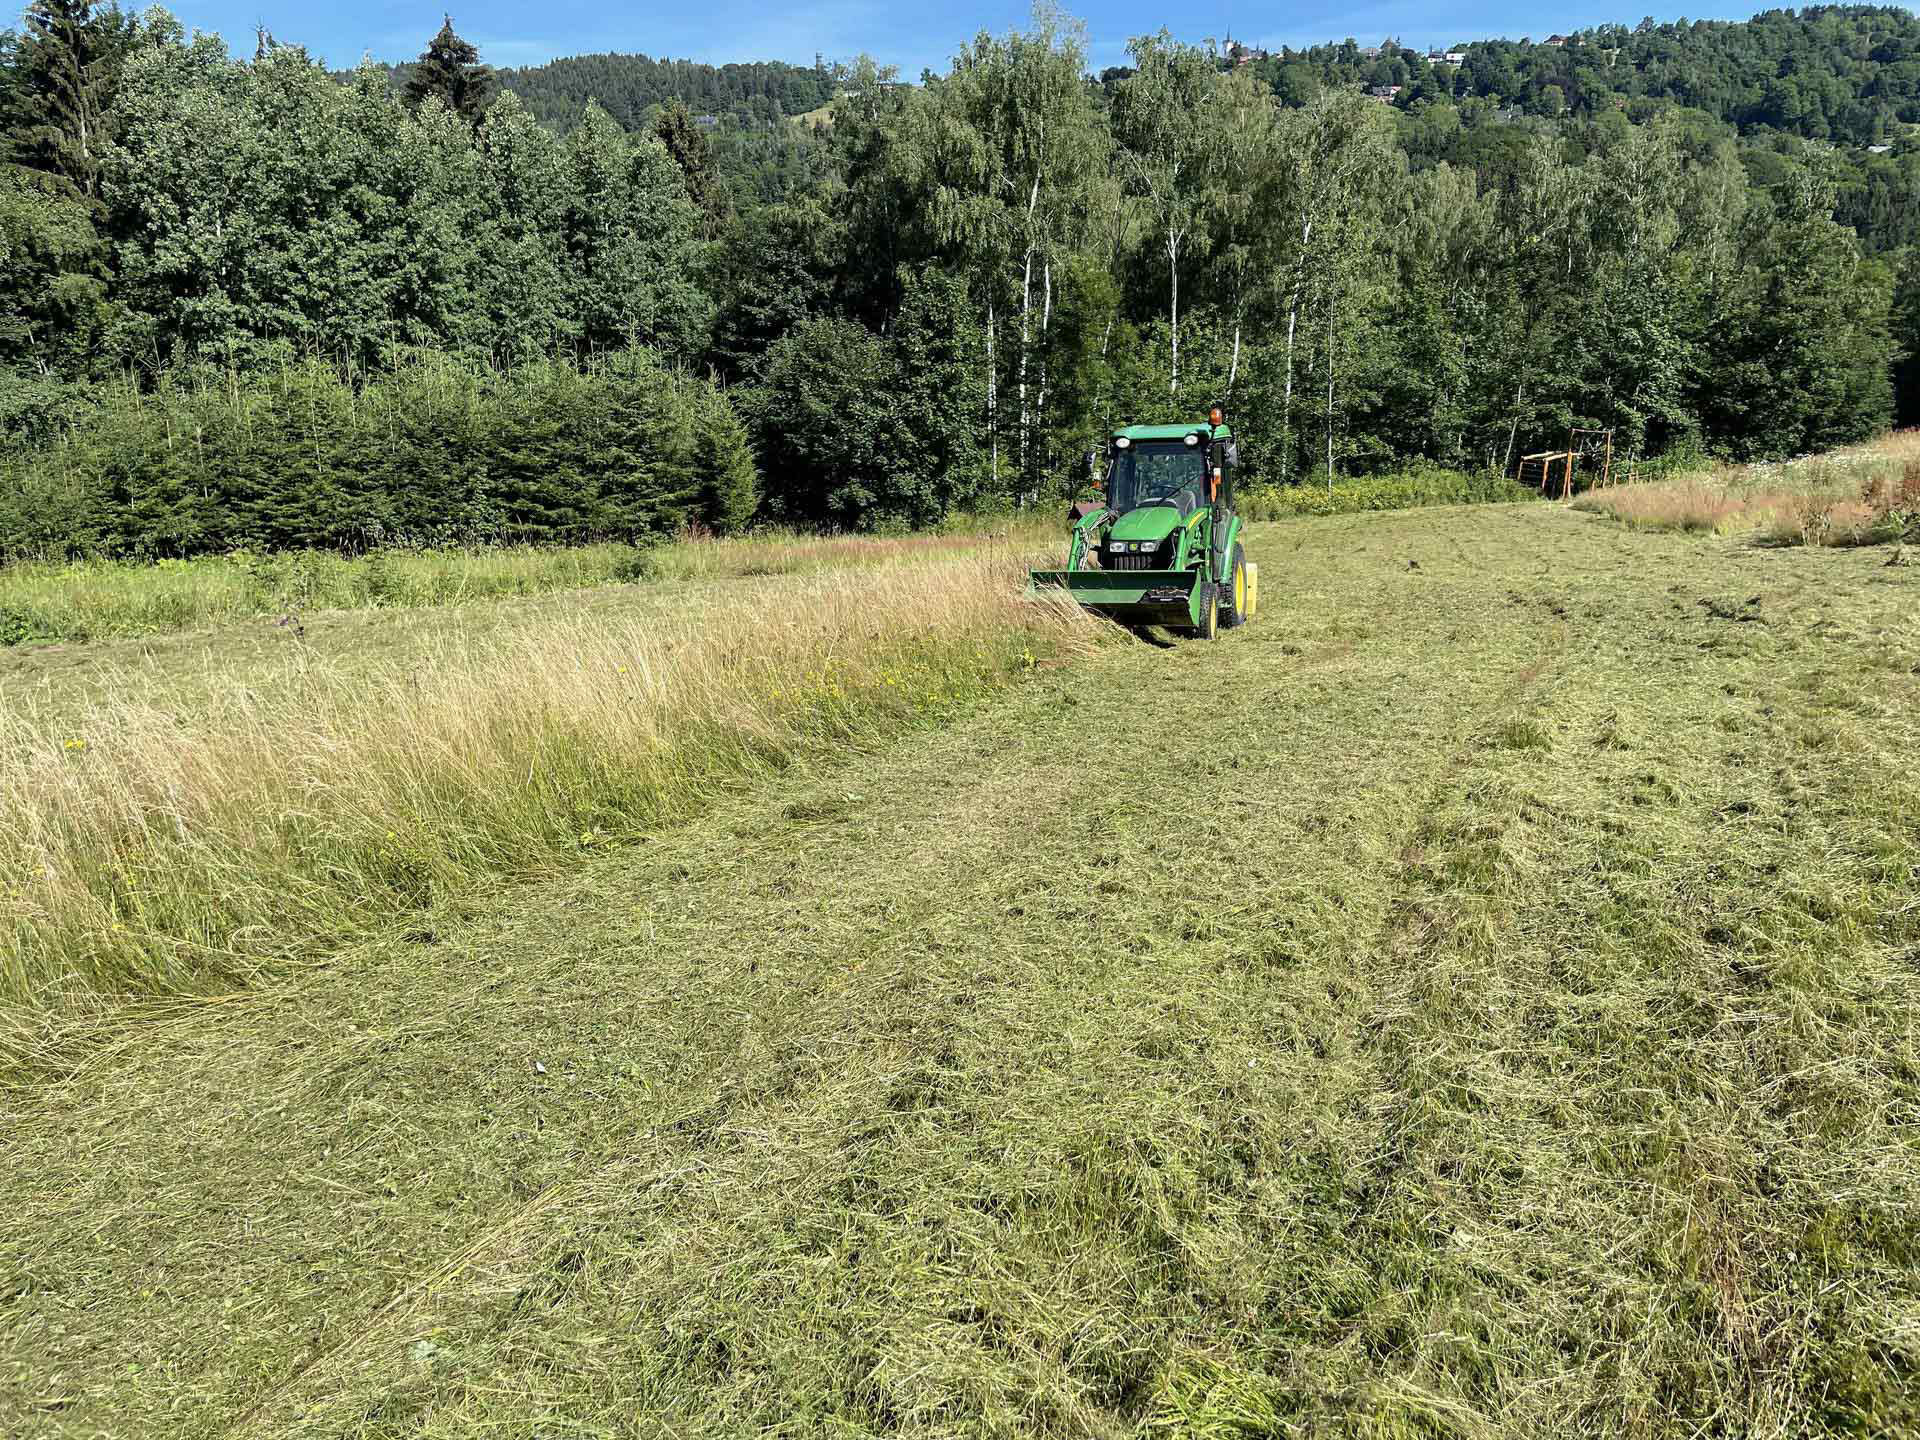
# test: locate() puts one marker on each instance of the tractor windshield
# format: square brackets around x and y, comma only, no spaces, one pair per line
[1158,473]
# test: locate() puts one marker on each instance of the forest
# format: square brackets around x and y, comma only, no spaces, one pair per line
[249,302]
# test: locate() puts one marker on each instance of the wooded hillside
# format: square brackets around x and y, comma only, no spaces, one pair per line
[1847,73]
[938,301]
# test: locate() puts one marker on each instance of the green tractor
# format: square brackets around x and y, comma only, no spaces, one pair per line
[1161,546]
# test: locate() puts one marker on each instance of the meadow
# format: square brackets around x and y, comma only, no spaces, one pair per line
[86,600]
[1477,999]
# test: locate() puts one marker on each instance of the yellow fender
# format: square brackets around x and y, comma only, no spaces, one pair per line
[1253,589]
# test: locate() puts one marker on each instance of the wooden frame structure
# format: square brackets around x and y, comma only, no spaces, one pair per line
[1539,468]
[1598,443]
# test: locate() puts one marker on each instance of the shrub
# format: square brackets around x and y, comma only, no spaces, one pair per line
[434,453]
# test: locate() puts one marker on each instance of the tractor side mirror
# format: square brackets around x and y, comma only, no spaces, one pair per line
[1233,453]
[1091,462]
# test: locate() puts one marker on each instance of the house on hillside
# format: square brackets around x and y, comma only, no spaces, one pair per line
[1878,149]
[707,122]
[1555,40]
[1384,93]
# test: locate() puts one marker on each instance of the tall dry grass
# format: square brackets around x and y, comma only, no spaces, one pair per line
[149,850]
[1862,495]
[86,600]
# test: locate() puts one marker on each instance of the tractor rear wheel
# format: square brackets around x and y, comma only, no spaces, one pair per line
[1233,605]
[1209,625]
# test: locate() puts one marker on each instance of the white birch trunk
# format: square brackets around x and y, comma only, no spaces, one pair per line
[1173,274]
[1293,319]
[1046,320]
[993,397]
[1026,312]
[1513,430]
[1330,309]
[1026,307]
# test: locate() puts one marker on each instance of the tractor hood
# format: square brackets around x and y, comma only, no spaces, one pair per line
[1149,522]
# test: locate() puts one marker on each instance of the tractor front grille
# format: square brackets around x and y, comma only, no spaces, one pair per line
[1133,562]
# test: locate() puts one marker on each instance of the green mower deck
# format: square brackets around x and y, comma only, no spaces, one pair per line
[1132,597]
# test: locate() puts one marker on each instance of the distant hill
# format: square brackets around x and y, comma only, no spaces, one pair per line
[752,94]
[1845,73]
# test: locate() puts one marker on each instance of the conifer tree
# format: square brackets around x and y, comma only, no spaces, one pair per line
[1907,330]
[694,156]
[450,68]
[62,88]
[731,488]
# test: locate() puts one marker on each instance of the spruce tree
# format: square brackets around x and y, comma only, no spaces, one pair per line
[62,88]
[694,156]
[450,68]
[1906,329]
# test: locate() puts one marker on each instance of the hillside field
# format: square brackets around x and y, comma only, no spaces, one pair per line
[1481,998]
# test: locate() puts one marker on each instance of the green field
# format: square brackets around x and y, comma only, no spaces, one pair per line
[1480,998]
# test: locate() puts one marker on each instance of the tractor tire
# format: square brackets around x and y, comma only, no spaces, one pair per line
[1209,626]
[1233,604]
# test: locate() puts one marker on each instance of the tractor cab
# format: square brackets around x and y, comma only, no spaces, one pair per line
[1171,465]
[1156,472]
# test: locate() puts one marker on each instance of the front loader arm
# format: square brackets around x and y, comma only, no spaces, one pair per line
[1084,535]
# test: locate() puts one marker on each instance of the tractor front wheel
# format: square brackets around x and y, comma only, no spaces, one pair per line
[1209,625]
[1233,606]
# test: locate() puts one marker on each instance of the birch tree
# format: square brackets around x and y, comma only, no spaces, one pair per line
[1158,122]
[1333,156]
[1019,145]
[1240,198]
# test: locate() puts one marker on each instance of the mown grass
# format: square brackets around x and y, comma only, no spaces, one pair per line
[191,840]
[1478,999]
[1866,495]
[82,601]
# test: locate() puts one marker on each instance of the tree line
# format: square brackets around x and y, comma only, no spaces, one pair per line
[943,297]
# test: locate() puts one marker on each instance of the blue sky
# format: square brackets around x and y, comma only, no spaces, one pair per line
[907,35]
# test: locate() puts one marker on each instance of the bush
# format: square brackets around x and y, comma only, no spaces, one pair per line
[870,432]
[1381,492]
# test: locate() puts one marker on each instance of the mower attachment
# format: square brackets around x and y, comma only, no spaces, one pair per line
[1132,597]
